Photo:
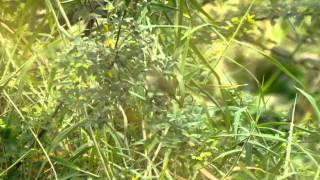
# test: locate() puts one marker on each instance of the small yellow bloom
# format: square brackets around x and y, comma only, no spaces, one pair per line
[109,42]
[106,28]
[109,74]
[109,7]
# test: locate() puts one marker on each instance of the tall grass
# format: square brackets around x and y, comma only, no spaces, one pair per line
[75,105]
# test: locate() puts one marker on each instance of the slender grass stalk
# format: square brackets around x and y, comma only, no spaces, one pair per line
[16,162]
[290,139]
[233,35]
[34,135]
[63,13]
[105,167]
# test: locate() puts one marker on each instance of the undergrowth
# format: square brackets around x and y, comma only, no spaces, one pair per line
[158,90]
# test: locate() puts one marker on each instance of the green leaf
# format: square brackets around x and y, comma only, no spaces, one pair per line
[70,165]
[312,101]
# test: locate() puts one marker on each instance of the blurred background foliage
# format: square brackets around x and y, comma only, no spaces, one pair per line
[155,89]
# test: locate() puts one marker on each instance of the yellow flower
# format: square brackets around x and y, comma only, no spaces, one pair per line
[109,42]
[109,74]
[109,7]
[106,28]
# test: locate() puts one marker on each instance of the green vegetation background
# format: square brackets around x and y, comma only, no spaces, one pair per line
[155,89]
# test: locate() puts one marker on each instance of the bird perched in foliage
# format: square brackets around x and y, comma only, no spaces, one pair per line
[156,82]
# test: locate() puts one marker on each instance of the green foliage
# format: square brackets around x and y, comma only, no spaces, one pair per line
[76,101]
